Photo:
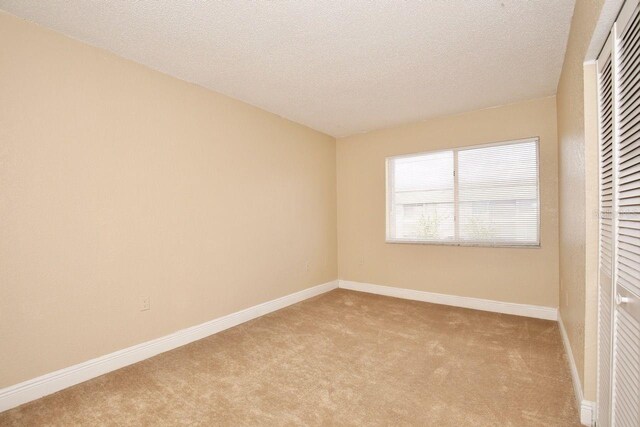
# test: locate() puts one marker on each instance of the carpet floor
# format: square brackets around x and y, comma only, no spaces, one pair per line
[343,358]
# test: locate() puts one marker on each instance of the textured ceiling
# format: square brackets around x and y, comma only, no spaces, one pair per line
[340,67]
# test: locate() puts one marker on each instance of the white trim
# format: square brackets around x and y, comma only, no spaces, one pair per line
[27,391]
[472,244]
[535,311]
[575,377]
[588,413]
[586,407]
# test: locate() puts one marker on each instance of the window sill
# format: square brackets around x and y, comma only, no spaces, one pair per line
[469,244]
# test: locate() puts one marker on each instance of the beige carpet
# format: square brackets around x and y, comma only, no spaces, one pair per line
[343,358]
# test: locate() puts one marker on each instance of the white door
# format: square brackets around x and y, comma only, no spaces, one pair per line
[619,287]
[626,321]
[605,285]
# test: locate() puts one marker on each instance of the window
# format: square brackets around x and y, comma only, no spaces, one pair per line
[482,195]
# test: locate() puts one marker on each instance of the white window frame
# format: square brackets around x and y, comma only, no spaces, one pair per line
[456,241]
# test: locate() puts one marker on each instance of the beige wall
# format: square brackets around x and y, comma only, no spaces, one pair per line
[576,302]
[528,276]
[117,181]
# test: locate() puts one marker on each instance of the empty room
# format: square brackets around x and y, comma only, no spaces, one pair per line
[305,213]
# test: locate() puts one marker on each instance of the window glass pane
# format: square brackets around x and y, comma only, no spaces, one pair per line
[422,197]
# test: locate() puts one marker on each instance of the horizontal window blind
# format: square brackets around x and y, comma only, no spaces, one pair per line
[485,195]
[498,194]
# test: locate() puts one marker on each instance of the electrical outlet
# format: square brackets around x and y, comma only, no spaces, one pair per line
[145,303]
[307,266]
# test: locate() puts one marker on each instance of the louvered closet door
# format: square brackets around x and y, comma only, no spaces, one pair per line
[605,286]
[626,329]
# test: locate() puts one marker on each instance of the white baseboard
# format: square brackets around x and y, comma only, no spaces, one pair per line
[587,412]
[587,407]
[27,391]
[536,311]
